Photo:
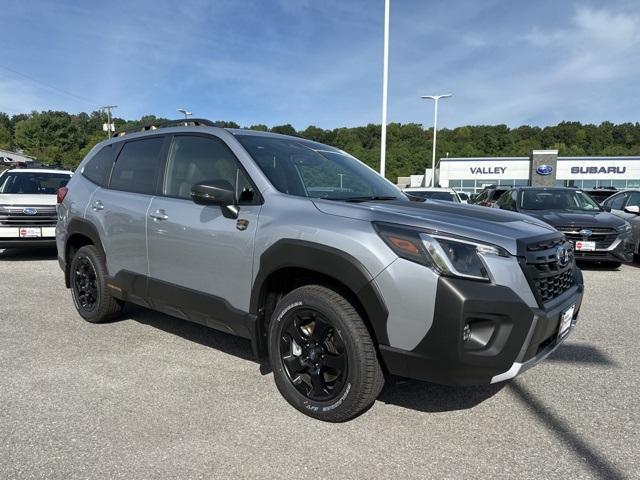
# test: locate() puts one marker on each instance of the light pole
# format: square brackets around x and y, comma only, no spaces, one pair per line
[185,112]
[341,175]
[108,109]
[385,87]
[435,98]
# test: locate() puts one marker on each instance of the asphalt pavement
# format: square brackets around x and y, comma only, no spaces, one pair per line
[151,396]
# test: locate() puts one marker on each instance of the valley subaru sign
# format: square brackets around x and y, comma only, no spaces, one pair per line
[486,168]
[612,168]
[543,167]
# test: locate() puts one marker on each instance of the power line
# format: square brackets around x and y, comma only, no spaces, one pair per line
[51,87]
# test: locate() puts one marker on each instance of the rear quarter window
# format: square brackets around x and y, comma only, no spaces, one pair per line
[98,168]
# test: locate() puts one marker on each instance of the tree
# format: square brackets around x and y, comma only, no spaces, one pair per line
[286,129]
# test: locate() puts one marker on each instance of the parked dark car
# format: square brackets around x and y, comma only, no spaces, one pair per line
[488,196]
[626,204]
[596,234]
[600,194]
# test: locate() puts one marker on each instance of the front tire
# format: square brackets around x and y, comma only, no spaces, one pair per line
[89,289]
[323,358]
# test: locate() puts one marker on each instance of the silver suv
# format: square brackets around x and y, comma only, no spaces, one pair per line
[321,263]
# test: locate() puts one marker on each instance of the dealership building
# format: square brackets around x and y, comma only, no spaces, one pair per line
[542,167]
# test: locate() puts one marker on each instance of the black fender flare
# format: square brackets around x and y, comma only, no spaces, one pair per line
[330,262]
[79,226]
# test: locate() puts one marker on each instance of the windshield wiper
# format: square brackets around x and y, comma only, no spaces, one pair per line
[363,198]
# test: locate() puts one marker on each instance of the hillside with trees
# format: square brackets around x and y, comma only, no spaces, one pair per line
[64,138]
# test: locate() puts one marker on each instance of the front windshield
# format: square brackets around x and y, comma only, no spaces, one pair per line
[558,200]
[309,169]
[36,183]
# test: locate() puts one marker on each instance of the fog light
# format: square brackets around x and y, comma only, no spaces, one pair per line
[466,333]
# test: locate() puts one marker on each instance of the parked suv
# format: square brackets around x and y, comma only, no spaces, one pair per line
[323,264]
[596,235]
[28,206]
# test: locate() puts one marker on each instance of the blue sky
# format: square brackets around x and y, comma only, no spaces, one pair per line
[320,62]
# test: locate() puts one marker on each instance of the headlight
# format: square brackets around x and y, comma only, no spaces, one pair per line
[447,255]
[624,228]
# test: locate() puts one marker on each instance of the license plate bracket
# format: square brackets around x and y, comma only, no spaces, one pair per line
[30,232]
[585,246]
[566,319]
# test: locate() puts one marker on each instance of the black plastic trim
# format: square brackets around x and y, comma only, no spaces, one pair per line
[185,303]
[84,228]
[443,357]
[328,261]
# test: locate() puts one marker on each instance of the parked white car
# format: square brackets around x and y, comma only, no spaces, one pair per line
[434,193]
[28,206]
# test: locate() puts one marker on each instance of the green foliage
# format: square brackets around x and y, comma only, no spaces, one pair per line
[66,138]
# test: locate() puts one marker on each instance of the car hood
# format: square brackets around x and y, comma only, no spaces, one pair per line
[19,199]
[498,227]
[568,218]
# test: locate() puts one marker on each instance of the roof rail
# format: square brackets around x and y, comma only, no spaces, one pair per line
[193,122]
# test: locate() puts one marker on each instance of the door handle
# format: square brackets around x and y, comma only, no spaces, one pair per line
[97,205]
[159,215]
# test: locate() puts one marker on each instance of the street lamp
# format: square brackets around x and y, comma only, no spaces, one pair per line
[385,88]
[185,112]
[435,98]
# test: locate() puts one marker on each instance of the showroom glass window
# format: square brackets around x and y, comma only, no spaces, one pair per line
[198,159]
[137,166]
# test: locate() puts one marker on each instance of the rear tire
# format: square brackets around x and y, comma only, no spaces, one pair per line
[323,359]
[89,289]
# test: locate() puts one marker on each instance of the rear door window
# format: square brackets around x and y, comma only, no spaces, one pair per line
[634,200]
[136,169]
[617,203]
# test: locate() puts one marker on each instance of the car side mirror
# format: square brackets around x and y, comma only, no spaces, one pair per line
[632,209]
[216,192]
[606,208]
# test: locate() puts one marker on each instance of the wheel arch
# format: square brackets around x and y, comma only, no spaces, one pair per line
[289,264]
[79,233]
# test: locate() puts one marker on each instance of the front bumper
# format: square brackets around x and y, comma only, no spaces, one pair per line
[621,250]
[514,336]
[10,237]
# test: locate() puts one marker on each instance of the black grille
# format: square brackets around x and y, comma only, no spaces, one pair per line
[603,237]
[547,276]
[46,216]
[553,285]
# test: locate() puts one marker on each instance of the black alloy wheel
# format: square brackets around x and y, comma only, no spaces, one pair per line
[313,355]
[91,295]
[85,284]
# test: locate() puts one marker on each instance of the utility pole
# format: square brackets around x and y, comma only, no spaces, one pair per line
[435,98]
[108,109]
[385,87]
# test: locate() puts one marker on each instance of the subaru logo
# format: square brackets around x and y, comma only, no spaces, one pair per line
[544,170]
[29,211]
[585,233]
[562,255]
